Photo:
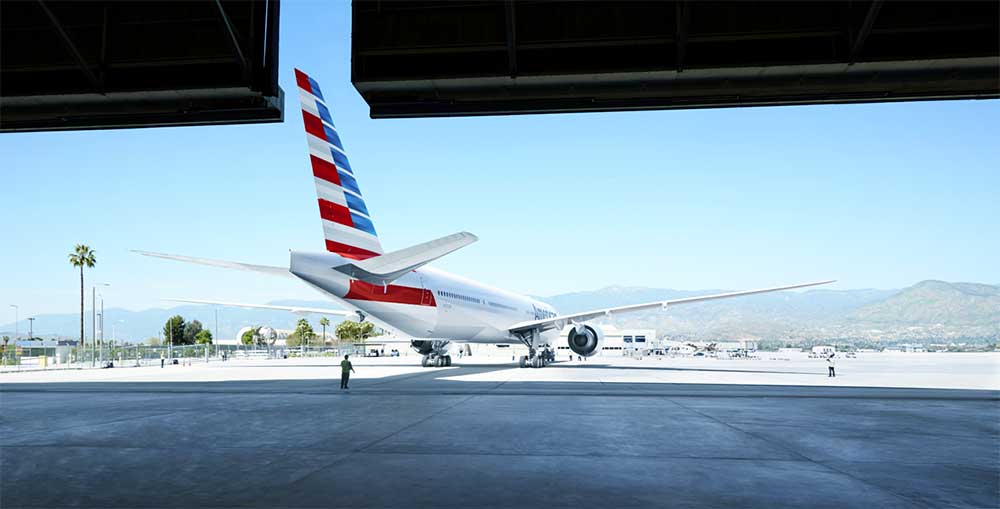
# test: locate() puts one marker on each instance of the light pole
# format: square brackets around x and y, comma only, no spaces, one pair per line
[101,348]
[93,321]
[100,319]
[114,341]
[16,311]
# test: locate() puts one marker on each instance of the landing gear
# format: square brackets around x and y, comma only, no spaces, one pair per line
[537,359]
[435,352]
[438,361]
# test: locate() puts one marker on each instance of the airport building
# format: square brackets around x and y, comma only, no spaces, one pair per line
[617,341]
[276,337]
[43,352]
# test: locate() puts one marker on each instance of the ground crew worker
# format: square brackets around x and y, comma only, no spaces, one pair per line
[162,360]
[832,364]
[345,372]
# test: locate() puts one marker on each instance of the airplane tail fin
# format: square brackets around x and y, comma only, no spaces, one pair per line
[347,225]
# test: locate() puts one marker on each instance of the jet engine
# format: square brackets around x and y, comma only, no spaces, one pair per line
[585,340]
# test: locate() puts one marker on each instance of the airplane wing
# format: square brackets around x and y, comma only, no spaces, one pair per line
[562,320]
[293,309]
[266,269]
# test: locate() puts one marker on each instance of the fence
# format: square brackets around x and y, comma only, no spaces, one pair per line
[128,355]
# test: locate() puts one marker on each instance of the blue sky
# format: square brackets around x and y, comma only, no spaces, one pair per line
[874,195]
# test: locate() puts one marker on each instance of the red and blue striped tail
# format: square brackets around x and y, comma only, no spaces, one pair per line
[347,226]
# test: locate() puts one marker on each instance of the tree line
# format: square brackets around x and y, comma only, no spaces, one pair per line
[179,332]
[304,334]
[182,332]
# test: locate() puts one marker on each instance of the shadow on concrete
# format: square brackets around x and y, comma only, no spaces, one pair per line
[440,381]
[305,443]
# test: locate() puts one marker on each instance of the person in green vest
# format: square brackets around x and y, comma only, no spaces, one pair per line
[345,372]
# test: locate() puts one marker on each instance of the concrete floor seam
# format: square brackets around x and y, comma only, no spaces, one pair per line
[434,453]
[589,456]
[797,453]
[414,424]
[370,444]
[29,433]
[493,392]
[873,430]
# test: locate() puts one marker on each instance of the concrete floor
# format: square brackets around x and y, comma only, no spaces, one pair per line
[428,437]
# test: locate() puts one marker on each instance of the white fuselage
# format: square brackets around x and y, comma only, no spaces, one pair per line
[426,303]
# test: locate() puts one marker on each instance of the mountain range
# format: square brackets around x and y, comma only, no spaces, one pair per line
[928,311]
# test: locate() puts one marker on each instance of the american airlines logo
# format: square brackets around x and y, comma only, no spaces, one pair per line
[541,314]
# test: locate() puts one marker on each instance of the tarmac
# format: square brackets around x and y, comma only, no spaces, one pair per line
[483,433]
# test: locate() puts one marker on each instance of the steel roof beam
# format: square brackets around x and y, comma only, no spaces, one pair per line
[234,43]
[98,85]
[511,38]
[866,28]
[680,34]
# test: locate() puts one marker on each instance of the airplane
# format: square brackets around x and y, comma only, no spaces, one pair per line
[399,291]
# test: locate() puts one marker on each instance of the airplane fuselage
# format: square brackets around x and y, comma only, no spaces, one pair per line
[426,303]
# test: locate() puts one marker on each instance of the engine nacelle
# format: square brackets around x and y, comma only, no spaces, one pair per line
[585,340]
[422,347]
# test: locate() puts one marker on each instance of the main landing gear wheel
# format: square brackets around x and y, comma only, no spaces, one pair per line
[537,359]
[437,361]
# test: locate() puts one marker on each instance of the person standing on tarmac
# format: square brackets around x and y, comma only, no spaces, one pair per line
[832,364]
[345,372]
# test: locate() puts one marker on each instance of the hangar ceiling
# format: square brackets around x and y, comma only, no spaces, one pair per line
[107,64]
[444,58]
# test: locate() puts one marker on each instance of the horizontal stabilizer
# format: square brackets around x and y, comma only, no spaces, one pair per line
[292,309]
[266,269]
[384,269]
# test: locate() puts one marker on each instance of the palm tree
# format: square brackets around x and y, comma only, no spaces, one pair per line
[82,256]
[324,322]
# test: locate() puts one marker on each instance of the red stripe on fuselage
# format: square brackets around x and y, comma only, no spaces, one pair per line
[303,81]
[354,253]
[334,212]
[324,170]
[314,125]
[392,293]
